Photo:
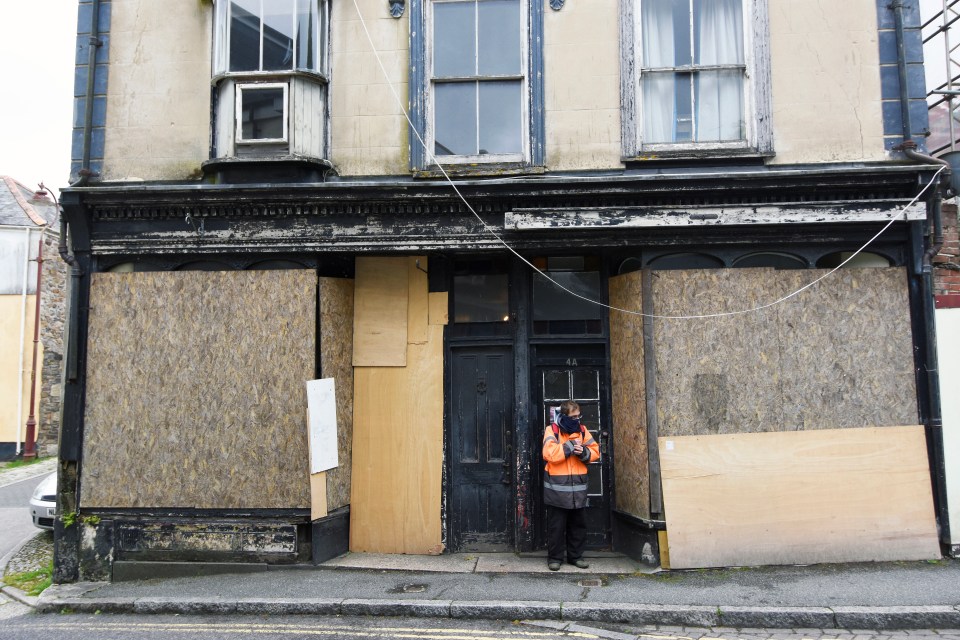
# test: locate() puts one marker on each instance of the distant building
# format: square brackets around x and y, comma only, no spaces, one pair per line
[25,221]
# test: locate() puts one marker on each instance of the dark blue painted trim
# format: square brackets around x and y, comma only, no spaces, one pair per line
[97,138]
[889,74]
[417,90]
[535,79]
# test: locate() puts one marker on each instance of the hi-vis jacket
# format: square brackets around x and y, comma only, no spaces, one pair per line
[565,481]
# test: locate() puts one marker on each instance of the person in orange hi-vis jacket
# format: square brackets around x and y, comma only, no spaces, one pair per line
[567,447]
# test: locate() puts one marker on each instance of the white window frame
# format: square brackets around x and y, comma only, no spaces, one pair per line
[430,137]
[240,87]
[758,134]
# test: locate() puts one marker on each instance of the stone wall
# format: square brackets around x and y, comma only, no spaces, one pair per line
[53,312]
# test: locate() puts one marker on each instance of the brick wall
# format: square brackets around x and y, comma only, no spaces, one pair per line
[946,272]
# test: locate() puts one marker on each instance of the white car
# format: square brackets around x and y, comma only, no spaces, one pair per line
[43,503]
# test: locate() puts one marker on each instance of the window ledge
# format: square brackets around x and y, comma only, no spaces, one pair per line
[285,168]
[669,155]
[490,170]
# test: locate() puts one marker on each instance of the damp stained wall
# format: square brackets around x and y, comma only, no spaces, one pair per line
[825,65]
[158,95]
[196,390]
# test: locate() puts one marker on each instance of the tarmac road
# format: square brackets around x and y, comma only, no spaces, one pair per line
[16,525]
[26,626]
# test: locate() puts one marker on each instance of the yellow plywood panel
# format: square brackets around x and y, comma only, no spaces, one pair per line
[438,307]
[195,389]
[318,496]
[664,546]
[417,307]
[837,495]
[628,390]
[398,453]
[380,312]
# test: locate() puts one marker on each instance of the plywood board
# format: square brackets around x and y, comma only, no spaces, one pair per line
[417,307]
[838,495]
[318,496]
[322,422]
[721,374]
[195,390]
[439,308]
[628,391]
[398,453]
[847,350]
[336,361]
[380,312]
[839,354]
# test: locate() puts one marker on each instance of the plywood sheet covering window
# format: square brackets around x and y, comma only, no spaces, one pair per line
[380,312]
[838,495]
[336,353]
[398,434]
[629,406]
[195,389]
[837,355]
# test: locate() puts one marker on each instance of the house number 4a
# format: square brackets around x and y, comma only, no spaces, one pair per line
[571,362]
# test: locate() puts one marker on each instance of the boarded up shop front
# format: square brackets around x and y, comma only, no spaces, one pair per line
[780,435]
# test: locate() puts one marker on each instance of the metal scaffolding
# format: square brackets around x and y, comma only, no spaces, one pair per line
[941,99]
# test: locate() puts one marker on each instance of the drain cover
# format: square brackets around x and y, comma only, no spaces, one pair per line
[591,583]
[409,588]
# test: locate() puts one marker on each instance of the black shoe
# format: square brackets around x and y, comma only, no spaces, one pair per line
[580,563]
[553,566]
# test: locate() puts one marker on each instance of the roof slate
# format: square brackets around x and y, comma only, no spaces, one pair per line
[19,207]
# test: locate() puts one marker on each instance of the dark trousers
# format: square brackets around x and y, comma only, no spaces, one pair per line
[566,531]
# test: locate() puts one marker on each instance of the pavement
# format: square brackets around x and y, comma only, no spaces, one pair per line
[860,596]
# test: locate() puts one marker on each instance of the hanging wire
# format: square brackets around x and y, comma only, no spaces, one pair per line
[542,274]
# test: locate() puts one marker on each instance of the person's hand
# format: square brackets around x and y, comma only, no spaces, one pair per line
[578,448]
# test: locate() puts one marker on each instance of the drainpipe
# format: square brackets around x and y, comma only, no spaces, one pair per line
[935,242]
[94,43]
[29,449]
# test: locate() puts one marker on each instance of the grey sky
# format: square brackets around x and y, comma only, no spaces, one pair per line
[37,45]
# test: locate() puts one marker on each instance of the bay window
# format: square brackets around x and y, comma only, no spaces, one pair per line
[270,59]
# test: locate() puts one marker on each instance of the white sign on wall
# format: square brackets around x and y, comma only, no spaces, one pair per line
[948,357]
[322,424]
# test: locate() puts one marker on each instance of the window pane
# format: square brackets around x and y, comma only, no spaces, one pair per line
[455,120]
[666,33]
[718,30]
[552,303]
[586,385]
[481,298]
[244,35]
[720,106]
[277,34]
[306,35]
[556,385]
[500,117]
[498,37]
[454,39]
[658,107]
[262,113]
[683,127]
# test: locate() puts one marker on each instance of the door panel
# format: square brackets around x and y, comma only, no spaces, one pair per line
[481,445]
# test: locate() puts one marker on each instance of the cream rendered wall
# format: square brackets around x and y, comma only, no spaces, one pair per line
[582,84]
[11,313]
[826,81]
[948,348]
[368,129]
[158,90]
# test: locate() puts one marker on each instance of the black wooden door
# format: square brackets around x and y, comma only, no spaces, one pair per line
[481,444]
